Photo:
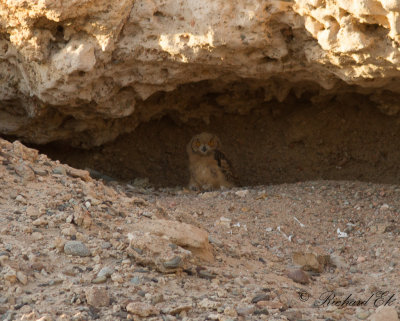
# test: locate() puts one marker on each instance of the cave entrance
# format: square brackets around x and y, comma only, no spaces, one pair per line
[344,137]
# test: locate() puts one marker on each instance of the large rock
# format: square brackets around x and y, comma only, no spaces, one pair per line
[185,235]
[311,261]
[88,71]
[169,246]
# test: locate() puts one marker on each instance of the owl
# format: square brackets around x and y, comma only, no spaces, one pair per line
[209,169]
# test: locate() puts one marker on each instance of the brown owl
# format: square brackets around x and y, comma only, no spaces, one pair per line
[209,169]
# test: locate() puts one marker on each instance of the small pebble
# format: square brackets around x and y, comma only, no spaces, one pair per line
[25,172]
[158,298]
[384,207]
[245,310]
[59,170]
[22,278]
[361,259]
[261,297]
[40,172]
[20,199]
[353,269]
[97,297]
[135,280]
[116,277]
[230,311]
[141,293]
[76,248]
[173,263]
[362,315]
[141,309]
[99,280]
[204,274]
[214,316]
[10,275]
[106,245]
[105,271]
[242,193]
[215,241]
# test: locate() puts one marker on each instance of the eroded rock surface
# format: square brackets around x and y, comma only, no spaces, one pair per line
[169,246]
[87,71]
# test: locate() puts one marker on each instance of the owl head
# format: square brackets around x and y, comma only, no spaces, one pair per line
[204,144]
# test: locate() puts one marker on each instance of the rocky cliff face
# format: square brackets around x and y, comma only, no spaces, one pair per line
[90,70]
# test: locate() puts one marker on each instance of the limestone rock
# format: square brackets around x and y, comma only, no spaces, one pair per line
[141,309]
[88,73]
[22,278]
[97,297]
[169,246]
[184,235]
[245,310]
[311,261]
[76,248]
[25,172]
[78,173]
[384,313]
[154,251]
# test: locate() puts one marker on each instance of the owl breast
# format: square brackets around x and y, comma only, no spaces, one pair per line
[207,174]
[208,166]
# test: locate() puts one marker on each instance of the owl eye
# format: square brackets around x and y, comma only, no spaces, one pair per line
[197,143]
[211,143]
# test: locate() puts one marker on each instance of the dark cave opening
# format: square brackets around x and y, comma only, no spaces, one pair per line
[343,138]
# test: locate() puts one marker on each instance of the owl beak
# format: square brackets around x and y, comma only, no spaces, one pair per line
[204,149]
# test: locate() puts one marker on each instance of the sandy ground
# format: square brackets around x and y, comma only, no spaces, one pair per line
[317,250]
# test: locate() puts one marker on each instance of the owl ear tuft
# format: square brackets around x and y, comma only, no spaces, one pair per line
[193,143]
[216,141]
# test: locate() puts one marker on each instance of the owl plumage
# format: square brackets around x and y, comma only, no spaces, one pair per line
[209,168]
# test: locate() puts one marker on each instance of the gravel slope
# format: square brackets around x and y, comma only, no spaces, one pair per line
[67,250]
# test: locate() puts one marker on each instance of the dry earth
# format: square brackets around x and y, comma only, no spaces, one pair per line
[75,248]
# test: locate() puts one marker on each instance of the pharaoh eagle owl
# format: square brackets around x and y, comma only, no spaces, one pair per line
[209,169]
